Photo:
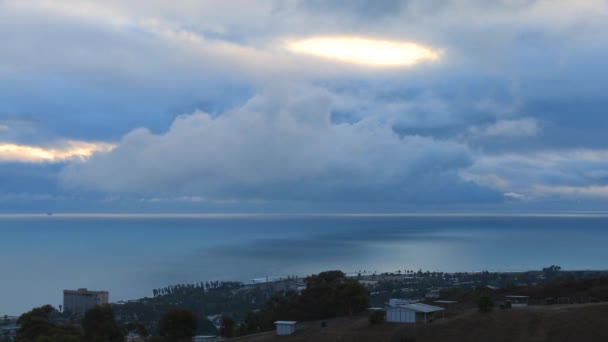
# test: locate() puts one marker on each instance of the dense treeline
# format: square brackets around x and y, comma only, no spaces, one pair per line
[203,299]
[38,326]
[185,289]
[46,324]
[328,294]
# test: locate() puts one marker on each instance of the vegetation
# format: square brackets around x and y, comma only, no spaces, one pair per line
[178,325]
[377,317]
[328,294]
[36,326]
[255,307]
[137,328]
[99,325]
[228,327]
[203,299]
[486,303]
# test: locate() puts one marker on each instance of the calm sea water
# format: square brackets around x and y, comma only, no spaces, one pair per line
[129,256]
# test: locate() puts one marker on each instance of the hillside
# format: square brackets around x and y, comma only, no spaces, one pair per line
[585,322]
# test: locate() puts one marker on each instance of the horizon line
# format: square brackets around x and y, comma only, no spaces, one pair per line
[305,214]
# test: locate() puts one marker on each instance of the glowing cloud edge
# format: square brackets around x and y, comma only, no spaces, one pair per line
[357,50]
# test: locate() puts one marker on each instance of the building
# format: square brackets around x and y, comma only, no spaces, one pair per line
[368,283]
[446,304]
[205,338]
[517,301]
[285,327]
[8,332]
[8,327]
[433,294]
[411,313]
[77,302]
[134,337]
[393,302]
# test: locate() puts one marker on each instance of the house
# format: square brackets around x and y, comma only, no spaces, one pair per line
[134,337]
[368,283]
[446,304]
[517,301]
[399,302]
[9,332]
[412,313]
[285,327]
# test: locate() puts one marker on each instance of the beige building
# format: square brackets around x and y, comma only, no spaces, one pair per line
[77,302]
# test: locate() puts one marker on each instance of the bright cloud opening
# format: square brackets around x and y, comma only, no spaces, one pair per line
[364,51]
[35,154]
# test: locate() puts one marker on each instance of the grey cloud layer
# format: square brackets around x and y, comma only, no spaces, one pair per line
[279,146]
[517,80]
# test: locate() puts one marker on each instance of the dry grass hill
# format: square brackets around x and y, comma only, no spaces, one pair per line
[584,322]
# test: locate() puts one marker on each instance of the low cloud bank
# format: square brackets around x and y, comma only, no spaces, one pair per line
[280,145]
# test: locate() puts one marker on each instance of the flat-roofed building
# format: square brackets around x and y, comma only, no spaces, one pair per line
[517,301]
[411,313]
[77,302]
[285,327]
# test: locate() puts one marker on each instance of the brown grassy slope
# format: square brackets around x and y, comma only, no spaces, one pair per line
[587,322]
[543,323]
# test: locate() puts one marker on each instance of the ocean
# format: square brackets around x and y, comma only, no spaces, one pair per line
[129,255]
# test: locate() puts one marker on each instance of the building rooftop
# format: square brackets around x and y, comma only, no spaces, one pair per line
[420,307]
[83,290]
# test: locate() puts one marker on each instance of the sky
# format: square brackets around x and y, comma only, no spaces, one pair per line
[303,106]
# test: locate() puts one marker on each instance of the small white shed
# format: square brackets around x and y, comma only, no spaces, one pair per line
[411,313]
[285,327]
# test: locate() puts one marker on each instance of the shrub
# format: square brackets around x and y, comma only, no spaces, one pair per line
[486,303]
[376,317]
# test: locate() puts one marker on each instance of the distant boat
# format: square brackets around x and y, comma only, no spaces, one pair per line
[49,214]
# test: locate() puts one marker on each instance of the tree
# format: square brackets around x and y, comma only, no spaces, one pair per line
[330,294]
[252,323]
[137,328]
[99,325]
[227,328]
[36,326]
[377,317]
[486,303]
[351,297]
[552,271]
[178,325]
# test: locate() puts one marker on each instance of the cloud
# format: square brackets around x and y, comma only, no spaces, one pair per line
[574,192]
[62,151]
[364,51]
[357,8]
[513,104]
[279,145]
[515,195]
[557,174]
[509,128]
